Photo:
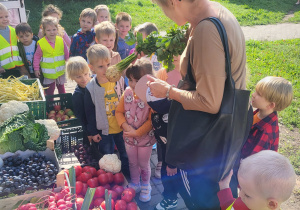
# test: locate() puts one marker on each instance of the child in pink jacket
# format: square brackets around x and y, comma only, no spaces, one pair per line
[134,116]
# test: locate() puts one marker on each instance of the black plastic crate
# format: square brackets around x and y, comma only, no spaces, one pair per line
[70,137]
[65,101]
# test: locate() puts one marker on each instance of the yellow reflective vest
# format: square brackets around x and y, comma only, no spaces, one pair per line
[9,52]
[53,60]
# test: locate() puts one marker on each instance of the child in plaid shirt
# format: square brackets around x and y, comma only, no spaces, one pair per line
[271,94]
[82,40]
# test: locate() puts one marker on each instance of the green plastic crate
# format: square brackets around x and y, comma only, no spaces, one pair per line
[65,101]
[38,107]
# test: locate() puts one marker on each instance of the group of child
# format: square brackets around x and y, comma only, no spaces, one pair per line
[113,114]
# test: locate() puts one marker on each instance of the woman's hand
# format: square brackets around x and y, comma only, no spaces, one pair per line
[224,183]
[158,87]
[131,133]
[139,56]
[171,171]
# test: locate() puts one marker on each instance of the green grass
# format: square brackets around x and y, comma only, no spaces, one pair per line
[141,11]
[292,152]
[277,58]
[254,12]
[248,12]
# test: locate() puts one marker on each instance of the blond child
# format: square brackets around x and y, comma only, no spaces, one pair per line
[10,60]
[106,35]
[77,70]
[85,36]
[100,101]
[103,13]
[134,116]
[51,55]
[146,29]
[123,24]
[54,11]
[266,180]
[271,94]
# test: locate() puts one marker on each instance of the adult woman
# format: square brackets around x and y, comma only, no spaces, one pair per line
[205,53]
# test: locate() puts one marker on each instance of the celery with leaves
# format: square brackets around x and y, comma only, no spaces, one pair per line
[165,47]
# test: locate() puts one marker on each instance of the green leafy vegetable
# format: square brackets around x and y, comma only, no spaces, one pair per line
[20,132]
[13,144]
[14,123]
[165,48]
[35,137]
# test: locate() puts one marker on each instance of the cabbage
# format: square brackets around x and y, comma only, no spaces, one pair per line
[13,144]
[35,137]
[20,132]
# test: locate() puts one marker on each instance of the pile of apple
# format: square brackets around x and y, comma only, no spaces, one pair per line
[122,199]
[60,115]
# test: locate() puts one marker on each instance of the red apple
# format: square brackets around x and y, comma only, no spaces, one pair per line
[57,107]
[132,206]
[102,206]
[98,202]
[121,205]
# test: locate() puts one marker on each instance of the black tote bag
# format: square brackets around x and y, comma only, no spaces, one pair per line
[209,143]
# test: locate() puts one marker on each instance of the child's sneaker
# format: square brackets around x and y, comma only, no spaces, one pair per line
[145,194]
[166,204]
[157,172]
[136,187]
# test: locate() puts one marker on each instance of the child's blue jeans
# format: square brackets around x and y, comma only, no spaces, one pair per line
[107,145]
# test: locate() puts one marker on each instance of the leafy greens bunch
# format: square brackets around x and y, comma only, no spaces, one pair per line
[20,132]
[165,47]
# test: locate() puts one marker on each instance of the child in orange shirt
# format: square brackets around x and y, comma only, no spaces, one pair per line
[134,116]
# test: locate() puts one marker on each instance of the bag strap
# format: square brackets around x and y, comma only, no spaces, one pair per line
[221,29]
